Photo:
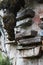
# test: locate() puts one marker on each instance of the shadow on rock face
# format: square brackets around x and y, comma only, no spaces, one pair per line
[0,34]
[9,24]
[40,1]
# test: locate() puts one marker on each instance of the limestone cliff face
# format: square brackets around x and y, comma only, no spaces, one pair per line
[26,55]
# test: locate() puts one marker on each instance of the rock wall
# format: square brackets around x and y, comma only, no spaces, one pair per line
[24,55]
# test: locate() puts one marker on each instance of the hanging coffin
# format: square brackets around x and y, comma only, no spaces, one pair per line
[30,41]
[20,36]
[26,13]
[25,23]
[30,54]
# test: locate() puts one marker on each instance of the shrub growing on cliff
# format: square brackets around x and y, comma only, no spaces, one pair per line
[5,61]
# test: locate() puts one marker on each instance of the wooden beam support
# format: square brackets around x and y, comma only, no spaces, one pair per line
[11,42]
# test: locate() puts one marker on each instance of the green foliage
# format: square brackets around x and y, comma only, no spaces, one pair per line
[5,61]
[0,56]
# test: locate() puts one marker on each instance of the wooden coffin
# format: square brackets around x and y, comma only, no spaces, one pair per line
[23,28]
[26,13]
[32,34]
[25,37]
[30,41]
[30,53]
[11,42]
[24,24]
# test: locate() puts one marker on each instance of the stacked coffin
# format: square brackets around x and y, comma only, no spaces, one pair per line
[28,40]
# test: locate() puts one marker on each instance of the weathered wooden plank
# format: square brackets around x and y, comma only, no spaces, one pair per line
[24,48]
[26,13]
[22,36]
[11,42]
[30,53]
[32,57]
[20,48]
[25,24]
[30,42]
